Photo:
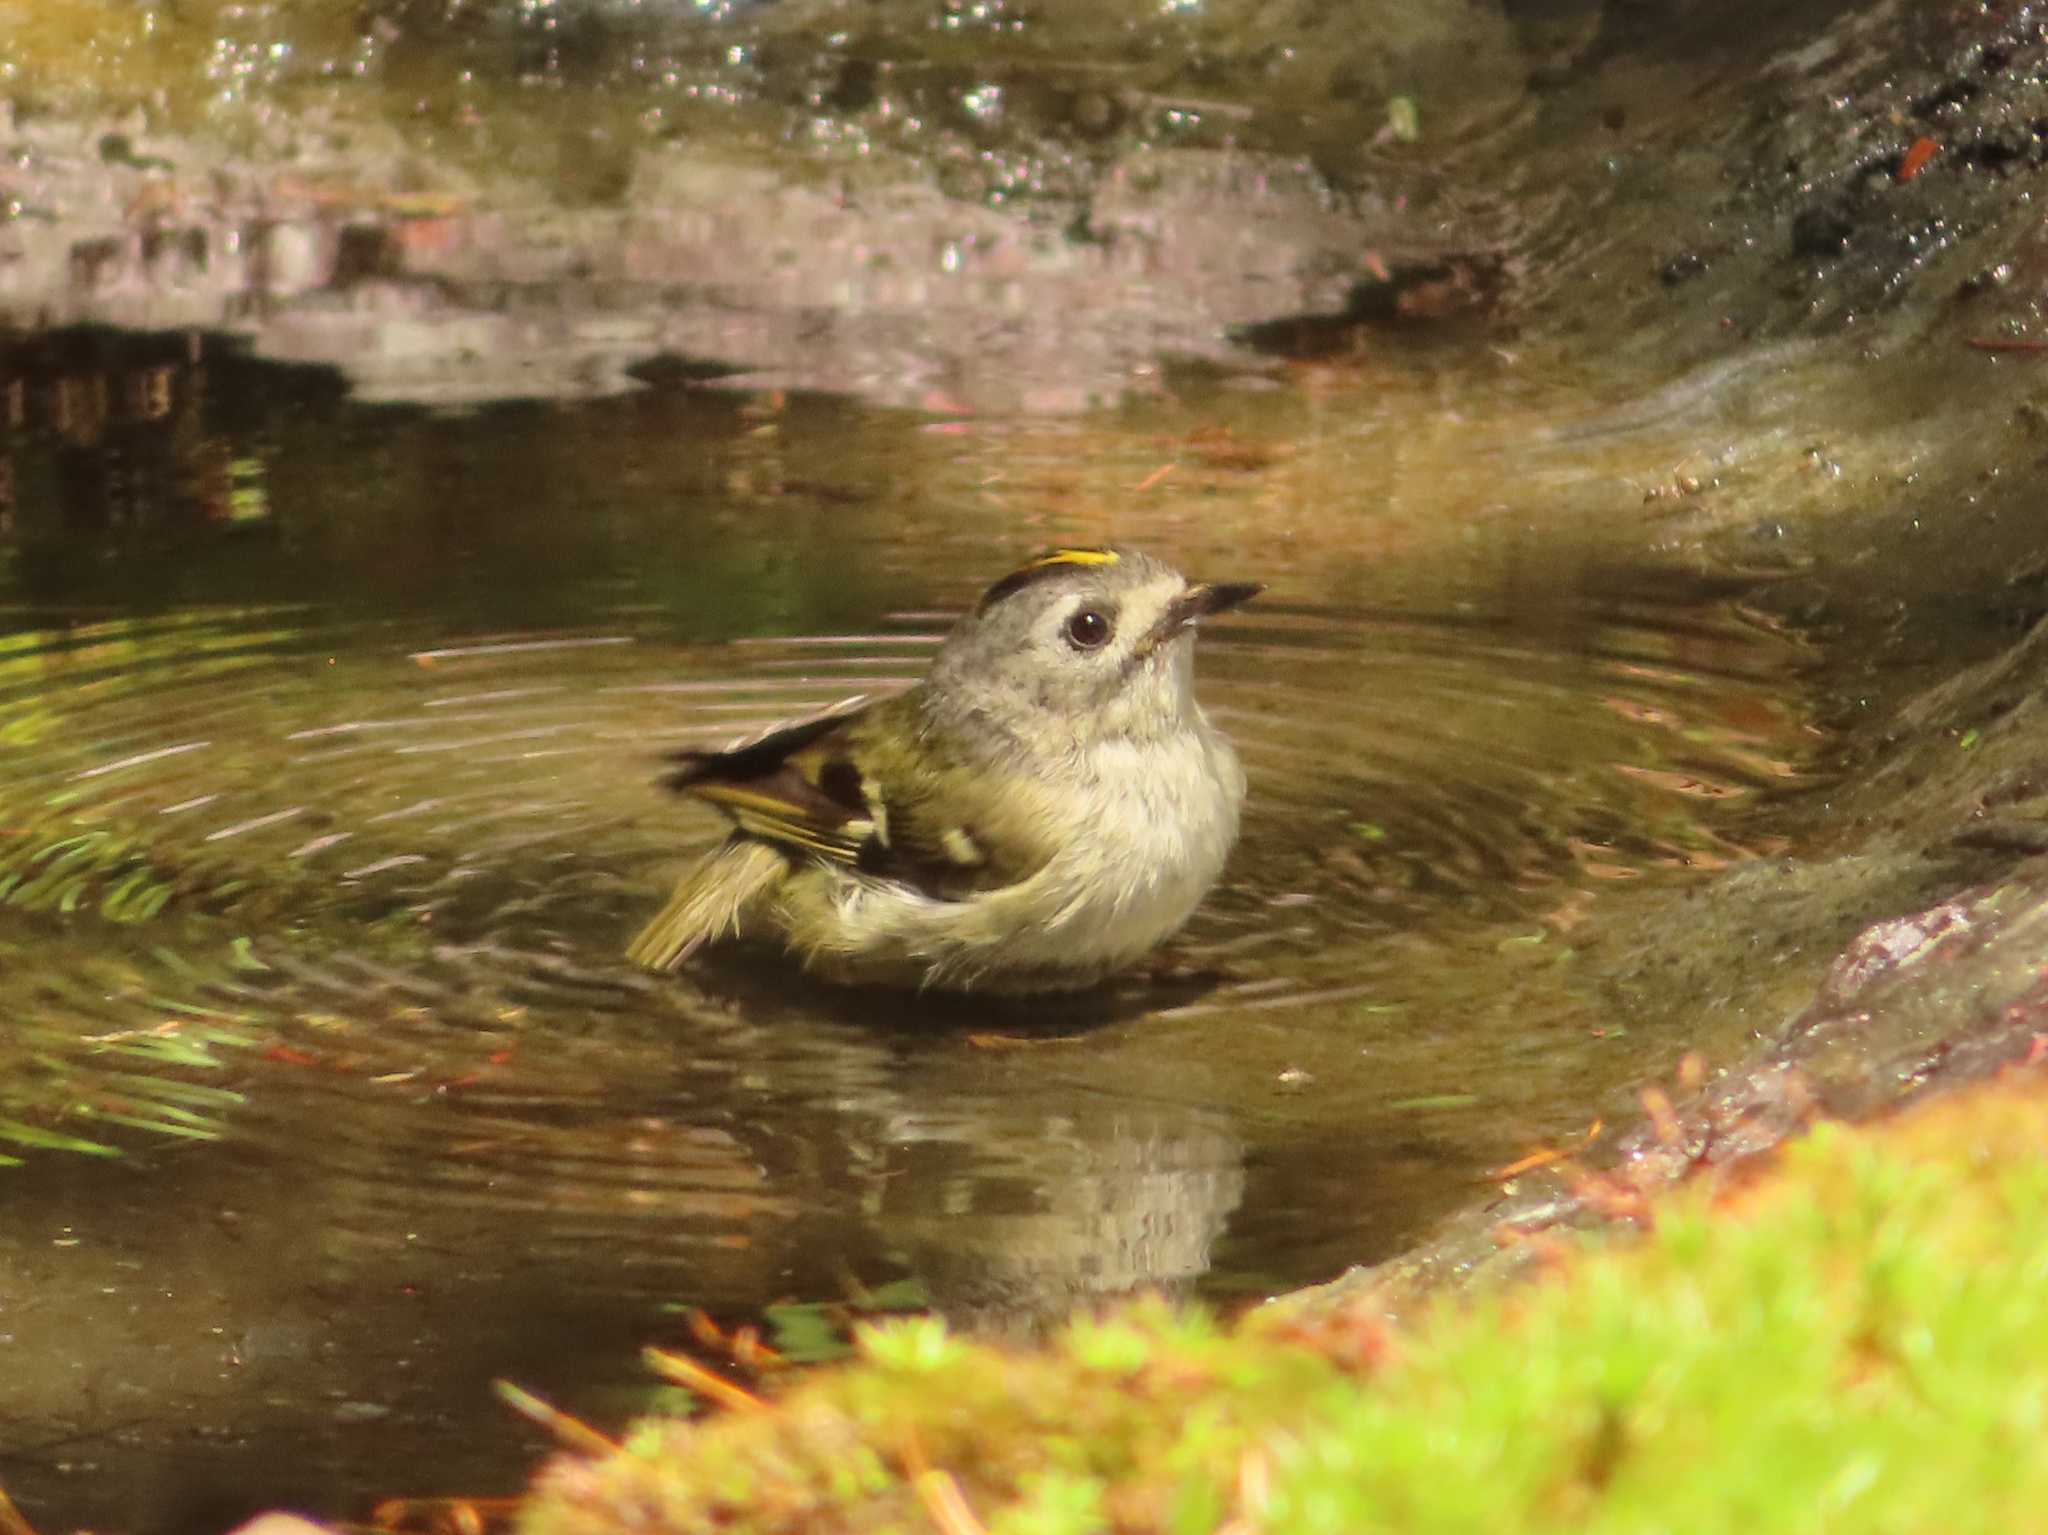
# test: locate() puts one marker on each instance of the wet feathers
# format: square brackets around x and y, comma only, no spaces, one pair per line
[1043,808]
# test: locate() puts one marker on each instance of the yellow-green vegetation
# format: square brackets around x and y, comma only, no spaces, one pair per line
[1856,1341]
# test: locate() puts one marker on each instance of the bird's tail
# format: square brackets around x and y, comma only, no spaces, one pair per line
[709,902]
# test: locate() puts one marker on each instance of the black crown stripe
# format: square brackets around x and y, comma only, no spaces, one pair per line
[1049,564]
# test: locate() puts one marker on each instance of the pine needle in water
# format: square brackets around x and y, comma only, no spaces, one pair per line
[572,1433]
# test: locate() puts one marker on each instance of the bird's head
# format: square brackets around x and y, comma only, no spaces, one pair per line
[1082,645]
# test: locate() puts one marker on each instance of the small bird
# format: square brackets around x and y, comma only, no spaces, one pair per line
[1046,806]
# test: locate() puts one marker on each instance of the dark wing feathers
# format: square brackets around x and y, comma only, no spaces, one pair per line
[842,788]
[790,787]
[752,760]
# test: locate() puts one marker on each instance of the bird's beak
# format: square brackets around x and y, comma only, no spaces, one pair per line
[1217,597]
[1201,600]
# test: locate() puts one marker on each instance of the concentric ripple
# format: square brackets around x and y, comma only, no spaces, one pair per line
[348,899]
[411,862]
[315,913]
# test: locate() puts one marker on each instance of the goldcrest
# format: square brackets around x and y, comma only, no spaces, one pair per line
[1043,809]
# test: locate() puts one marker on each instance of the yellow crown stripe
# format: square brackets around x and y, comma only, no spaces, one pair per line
[1074,557]
[1043,566]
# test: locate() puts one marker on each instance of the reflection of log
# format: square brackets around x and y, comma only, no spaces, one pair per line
[106,435]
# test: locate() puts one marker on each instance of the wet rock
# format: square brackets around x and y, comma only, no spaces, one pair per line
[1682,268]
[1883,148]
[1941,900]
[291,257]
[1916,1005]
[1822,232]
[741,266]
[946,218]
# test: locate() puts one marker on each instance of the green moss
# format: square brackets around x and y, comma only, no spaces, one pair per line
[1858,1341]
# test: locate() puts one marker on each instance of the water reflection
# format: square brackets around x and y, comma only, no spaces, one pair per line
[320,850]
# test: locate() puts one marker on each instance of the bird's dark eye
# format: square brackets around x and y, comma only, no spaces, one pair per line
[1087,630]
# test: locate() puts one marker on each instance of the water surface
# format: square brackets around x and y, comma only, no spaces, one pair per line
[326,745]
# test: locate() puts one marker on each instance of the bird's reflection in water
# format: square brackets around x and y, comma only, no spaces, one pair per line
[986,1162]
[1062,1211]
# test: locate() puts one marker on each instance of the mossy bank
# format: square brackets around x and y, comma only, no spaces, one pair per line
[1853,1340]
